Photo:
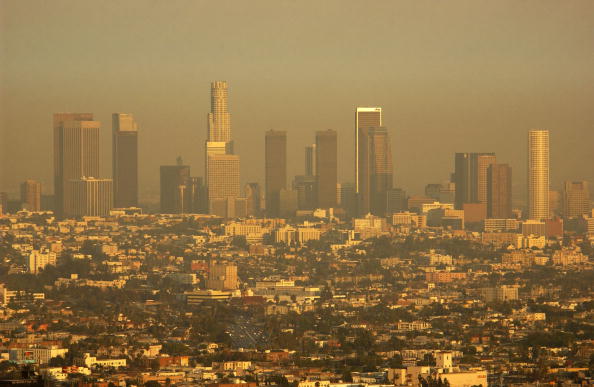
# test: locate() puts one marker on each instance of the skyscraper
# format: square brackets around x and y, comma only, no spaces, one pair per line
[174,184]
[125,160]
[221,165]
[310,160]
[88,196]
[499,193]
[76,151]
[326,169]
[471,177]
[252,193]
[375,170]
[275,171]
[365,117]
[576,199]
[538,174]
[31,195]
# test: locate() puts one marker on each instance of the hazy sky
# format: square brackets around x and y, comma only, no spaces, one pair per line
[452,76]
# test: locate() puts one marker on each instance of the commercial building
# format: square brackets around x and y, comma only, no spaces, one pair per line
[76,152]
[576,199]
[275,169]
[174,180]
[375,170]
[31,195]
[326,169]
[499,192]
[39,259]
[538,174]
[88,196]
[470,177]
[222,276]
[125,160]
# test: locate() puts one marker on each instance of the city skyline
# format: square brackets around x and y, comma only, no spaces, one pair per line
[467,104]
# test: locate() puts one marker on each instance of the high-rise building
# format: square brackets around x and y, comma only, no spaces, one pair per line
[326,169]
[31,195]
[538,174]
[576,199]
[347,198]
[196,195]
[396,201]
[275,171]
[221,165]
[365,117]
[375,170]
[223,185]
[306,192]
[471,177]
[252,193]
[76,151]
[125,160]
[174,184]
[39,259]
[310,160]
[88,196]
[222,276]
[499,192]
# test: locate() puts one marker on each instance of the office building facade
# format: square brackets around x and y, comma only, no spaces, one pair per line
[125,160]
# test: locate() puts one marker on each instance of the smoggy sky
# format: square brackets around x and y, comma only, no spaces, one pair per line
[451,76]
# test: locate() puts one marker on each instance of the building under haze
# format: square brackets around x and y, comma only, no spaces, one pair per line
[470,177]
[76,152]
[174,183]
[375,170]
[253,198]
[499,191]
[365,117]
[88,196]
[125,160]
[538,174]
[31,195]
[310,160]
[222,167]
[326,168]
[275,169]
[576,199]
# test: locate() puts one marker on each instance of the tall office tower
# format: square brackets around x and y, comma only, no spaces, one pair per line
[253,198]
[326,169]
[196,199]
[499,192]
[310,160]
[396,201]
[365,117]
[471,177]
[76,151]
[576,199]
[347,199]
[221,165]
[219,119]
[224,187]
[375,170]
[275,171]
[306,192]
[31,195]
[125,160]
[538,174]
[88,196]
[288,203]
[174,184]
[222,276]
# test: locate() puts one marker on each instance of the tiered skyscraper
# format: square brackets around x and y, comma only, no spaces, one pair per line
[125,160]
[222,166]
[471,177]
[326,168]
[538,174]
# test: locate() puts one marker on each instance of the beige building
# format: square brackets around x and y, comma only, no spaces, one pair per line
[38,260]
[576,199]
[500,293]
[31,195]
[76,151]
[222,276]
[88,197]
[538,174]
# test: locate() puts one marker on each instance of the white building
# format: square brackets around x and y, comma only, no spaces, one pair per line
[38,260]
